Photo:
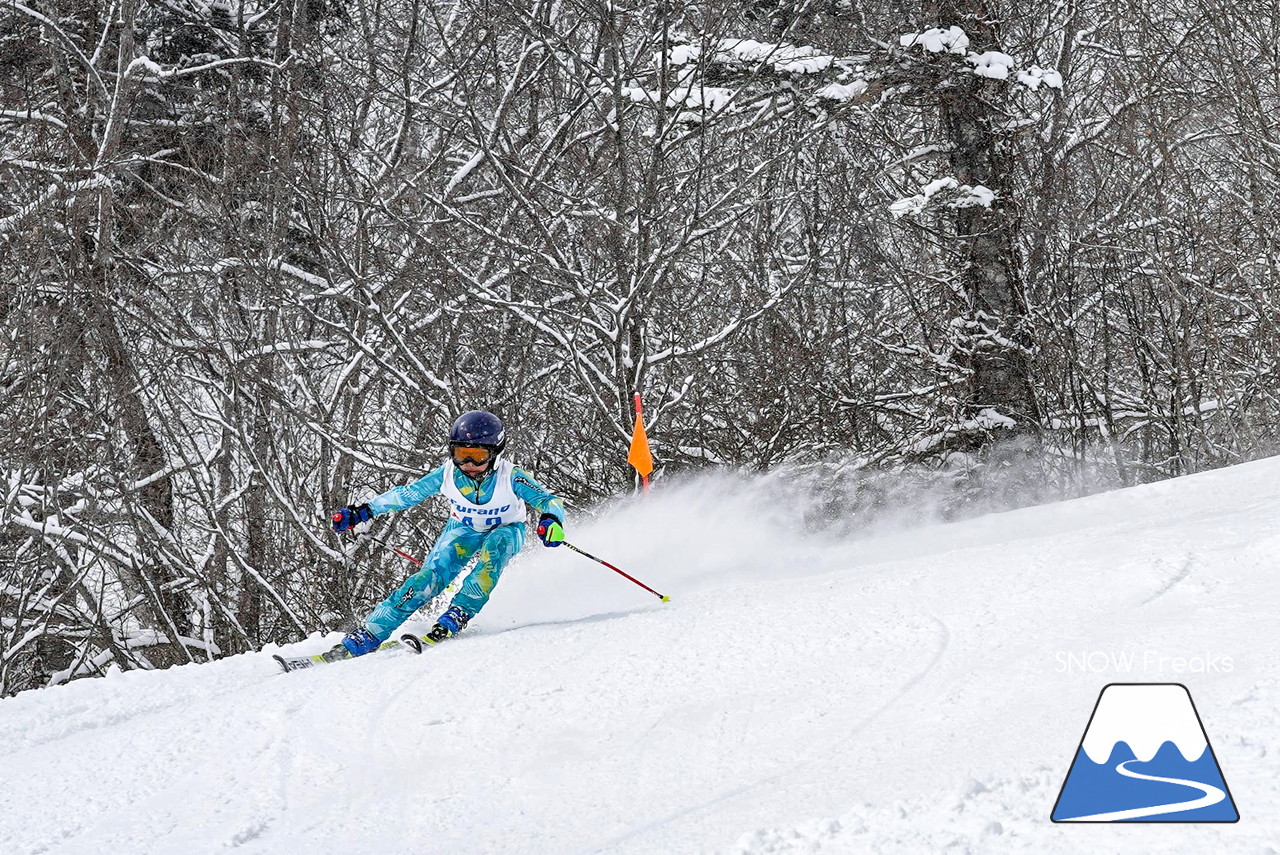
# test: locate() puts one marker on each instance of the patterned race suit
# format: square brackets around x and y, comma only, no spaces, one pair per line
[486,522]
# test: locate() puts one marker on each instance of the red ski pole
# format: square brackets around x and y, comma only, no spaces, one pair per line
[384,544]
[397,551]
[622,573]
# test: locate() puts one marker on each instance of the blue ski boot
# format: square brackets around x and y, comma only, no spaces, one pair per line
[357,643]
[447,625]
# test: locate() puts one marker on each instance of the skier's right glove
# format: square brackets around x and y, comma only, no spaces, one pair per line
[351,516]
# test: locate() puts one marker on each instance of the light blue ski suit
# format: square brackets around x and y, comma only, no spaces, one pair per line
[458,545]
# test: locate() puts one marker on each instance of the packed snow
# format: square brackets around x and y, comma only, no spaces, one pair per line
[922,688]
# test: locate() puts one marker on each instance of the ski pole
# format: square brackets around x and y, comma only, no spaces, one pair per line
[662,597]
[406,556]
[383,544]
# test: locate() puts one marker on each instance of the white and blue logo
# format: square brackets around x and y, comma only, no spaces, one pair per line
[1145,757]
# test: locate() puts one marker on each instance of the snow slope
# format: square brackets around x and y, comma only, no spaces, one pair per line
[920,691]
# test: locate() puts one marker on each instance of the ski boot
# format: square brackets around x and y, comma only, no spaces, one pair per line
[357,643]
[447,625]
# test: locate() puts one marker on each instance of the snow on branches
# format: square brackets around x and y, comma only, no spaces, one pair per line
[751,55]
[964,196]
[993,64]
[937,58]
[738,64]
[951,40]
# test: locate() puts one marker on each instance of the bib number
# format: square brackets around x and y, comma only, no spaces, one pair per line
[476,518]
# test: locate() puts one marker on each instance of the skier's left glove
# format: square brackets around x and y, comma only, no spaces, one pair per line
[550,530]
[351,516]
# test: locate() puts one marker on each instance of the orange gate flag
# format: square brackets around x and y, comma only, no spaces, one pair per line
[639,456]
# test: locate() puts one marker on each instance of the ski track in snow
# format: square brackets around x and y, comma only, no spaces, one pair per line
[895,693]
[801,766]
[1177,577]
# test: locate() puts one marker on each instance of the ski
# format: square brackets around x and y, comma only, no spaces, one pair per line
[419,643]
[416,643]
[299,663]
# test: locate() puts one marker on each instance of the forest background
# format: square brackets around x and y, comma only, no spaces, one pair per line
[255,257]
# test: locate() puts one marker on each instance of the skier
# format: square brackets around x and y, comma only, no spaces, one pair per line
[487,506]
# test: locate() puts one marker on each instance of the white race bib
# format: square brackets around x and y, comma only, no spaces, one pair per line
[503,508]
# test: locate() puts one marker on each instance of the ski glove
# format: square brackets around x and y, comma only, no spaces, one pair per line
[550,530]
[351,516]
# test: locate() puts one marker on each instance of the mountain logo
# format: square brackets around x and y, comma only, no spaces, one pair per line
[1145,757]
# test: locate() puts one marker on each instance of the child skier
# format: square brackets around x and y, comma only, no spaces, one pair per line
[487,506]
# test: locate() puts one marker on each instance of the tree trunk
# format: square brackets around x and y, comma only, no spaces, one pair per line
[993,329]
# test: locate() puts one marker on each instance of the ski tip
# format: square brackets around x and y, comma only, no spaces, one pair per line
[284,666]
[412,642]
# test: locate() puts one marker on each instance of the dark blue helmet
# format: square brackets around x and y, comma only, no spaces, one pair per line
[479,428]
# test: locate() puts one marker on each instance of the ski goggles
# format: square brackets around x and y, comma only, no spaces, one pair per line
[476,455]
